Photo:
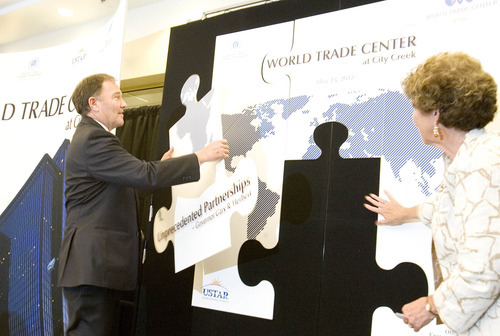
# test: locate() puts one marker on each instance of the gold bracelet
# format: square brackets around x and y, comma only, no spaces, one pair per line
[428,307]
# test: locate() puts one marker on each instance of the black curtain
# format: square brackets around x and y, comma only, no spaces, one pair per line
[139,135]
[139,132]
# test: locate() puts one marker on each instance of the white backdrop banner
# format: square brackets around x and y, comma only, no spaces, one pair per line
[36,113]
[37,118]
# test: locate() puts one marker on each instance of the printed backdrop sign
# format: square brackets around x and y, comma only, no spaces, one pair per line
[274,85]
[37,120]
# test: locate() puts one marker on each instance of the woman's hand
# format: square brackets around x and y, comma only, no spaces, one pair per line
[415,315]
[393,212]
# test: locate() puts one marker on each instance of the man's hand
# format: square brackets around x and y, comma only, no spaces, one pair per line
[168,154]
[214,151]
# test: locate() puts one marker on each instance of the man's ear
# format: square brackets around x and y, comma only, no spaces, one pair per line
[92,102]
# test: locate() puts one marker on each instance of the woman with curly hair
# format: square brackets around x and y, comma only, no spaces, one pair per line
[453,100]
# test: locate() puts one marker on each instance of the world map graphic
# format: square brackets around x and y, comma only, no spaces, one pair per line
[379,126]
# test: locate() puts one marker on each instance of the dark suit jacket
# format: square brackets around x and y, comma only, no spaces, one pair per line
[101,239]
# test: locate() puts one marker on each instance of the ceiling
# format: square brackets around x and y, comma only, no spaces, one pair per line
[22,19]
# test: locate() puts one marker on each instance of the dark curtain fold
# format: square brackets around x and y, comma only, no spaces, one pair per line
[139,132]
[139,136]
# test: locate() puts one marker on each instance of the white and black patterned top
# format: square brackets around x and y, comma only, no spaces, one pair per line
[464,215]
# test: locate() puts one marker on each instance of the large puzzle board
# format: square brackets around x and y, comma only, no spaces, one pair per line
[277,84]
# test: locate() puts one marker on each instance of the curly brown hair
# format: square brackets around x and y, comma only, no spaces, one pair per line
[90,86]
[457,86]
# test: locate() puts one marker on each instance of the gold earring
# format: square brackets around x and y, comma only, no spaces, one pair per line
[436,132]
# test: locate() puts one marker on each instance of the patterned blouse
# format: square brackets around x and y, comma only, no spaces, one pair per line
[464,215]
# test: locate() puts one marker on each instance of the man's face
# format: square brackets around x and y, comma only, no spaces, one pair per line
[109,105]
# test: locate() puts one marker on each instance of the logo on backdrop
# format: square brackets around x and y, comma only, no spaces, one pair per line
[34,64]
[79,58]
[215,291]
[31,70]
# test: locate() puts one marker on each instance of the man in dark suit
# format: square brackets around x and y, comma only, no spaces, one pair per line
[99,254]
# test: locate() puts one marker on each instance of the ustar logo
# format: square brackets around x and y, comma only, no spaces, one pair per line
[79,58]
[452,2]
[215,291]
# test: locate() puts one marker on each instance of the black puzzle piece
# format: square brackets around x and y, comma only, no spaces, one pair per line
[323,269]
